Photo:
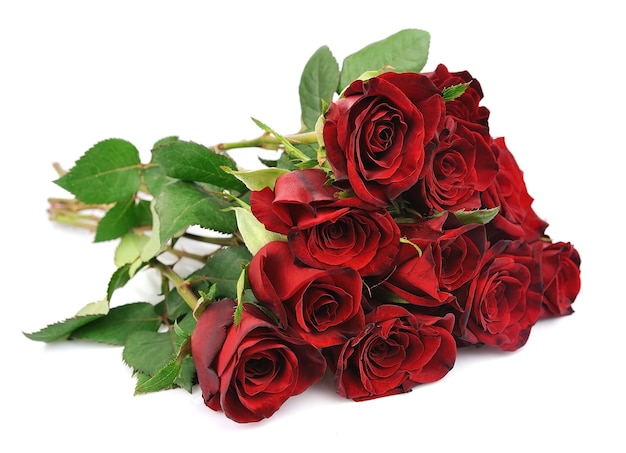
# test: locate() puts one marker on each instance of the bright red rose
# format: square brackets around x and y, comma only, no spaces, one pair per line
[375,134]
[326,231]
[323,306]
[466,108]
[516,218]
[250,370]
[396,351]
[561,278]
[458,168]
[504,299]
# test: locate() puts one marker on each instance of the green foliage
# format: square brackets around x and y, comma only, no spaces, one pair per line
[107,173]
[454,91]
[258,179]
[120,277]
[120,322]
[61,330]
[254,234]
[181,204]
[193,162]
[404,51]
[160,359]
[222,269]
[149,206]
[117,221]
[317,85]
[482,216]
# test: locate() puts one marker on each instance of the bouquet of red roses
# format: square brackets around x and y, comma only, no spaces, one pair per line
[390,231]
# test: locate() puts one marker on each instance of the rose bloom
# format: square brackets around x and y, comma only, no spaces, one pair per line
[396,351]
[459,166]
[466,108]
[250,370]
[451,255]
[375,134]
[516,218]
[561,278]
[324,230]
[323,306]
[504,299]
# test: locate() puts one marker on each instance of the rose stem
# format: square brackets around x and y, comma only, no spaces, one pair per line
[182,286]
[268,141]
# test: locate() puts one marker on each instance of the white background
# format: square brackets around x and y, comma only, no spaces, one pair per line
[74,73]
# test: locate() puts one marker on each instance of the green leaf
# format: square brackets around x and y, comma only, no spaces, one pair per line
[254,233]
[63,329]
[119,323]
[109,172]
[482,216]
[404,51]
[165,141]
[187,374]
[317,85]
[242,285]
[100,307]
[193,162]
[258,179]
[154,246]
[120,277]
[117,221]
[121,218]
[181,204]
[129,251]
[148,352]
[223,269]
[164,379]
[143,214]
[293,151]
[452,92]
[154,178]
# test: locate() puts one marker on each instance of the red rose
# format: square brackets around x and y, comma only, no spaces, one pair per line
[516,218]
[458,168]
[250,370]
[326,231]
[466,108]
[393,353]
[323,306]
[560,267]
[504,300]
[376,132]
[451,256]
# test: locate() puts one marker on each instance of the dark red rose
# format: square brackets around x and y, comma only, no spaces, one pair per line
[458,168]
[323,306]
[393,353]
[504,299]
[561,278]
[516,218]
[324,230]
[415,277]
[466,108]
[451,254]
[376,132]
[250,370]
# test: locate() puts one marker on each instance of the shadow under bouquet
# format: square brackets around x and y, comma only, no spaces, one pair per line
[388,232]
